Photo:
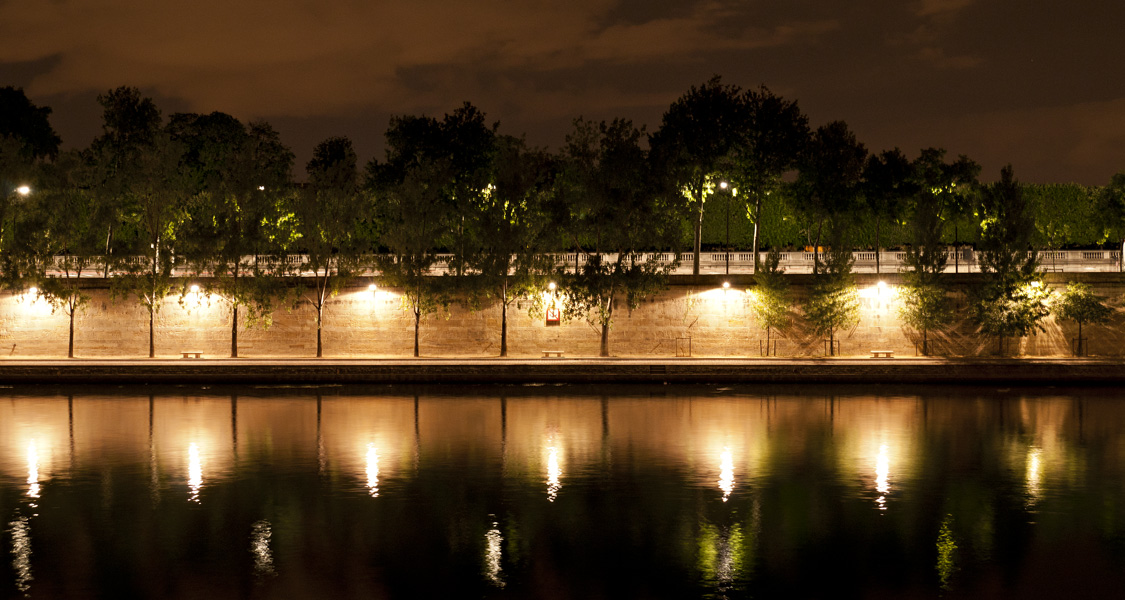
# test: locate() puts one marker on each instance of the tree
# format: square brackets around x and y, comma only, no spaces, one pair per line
[770,145]
[512,228]
[950,188]
[606,186]
[411,192]
[130,127]
[888,182]
[1080,304]
[26,142]
[834,302]
[27,124]
[328,224]
[827,185]
[155,201]
[1012,300]
[467,143]
[57,239]
[241,174]
[141,195]
[695,142]
[771,301]
[924,305]
[1111,203]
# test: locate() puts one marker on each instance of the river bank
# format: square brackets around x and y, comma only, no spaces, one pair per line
[1016,371]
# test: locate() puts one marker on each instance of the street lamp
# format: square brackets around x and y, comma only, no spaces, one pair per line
[723,186]
[23,190]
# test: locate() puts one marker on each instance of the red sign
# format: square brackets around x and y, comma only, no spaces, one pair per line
[553,315]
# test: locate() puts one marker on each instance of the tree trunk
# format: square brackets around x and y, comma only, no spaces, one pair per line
[1080,352]
[925,340]
[605,331]
[504,327]
[70,343]
[831,342]
[757,219]
[876,245]
[319,320]
[151,333]
[816,249]
[698,237]
[417,322]
[234,331]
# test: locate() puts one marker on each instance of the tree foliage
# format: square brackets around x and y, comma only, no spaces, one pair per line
[512,229]
[329,229]
[828,181]
[1080,304]
[240,177]
[770,145]
[771,303]
[605,182]
[695,143]
[834,302]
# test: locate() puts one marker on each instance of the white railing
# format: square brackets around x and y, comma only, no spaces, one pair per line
[710,263]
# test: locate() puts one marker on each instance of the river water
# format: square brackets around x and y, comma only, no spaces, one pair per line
[562,492]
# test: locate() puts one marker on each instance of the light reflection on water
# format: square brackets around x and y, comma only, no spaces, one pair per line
[916,481]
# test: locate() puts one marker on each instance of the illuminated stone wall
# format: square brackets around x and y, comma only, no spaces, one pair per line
[361,323]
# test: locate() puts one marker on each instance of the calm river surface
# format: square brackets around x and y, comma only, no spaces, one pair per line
[562,492]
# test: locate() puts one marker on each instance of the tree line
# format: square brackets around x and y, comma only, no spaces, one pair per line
[210,192]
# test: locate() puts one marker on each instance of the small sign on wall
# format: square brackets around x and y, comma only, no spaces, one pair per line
[553,315]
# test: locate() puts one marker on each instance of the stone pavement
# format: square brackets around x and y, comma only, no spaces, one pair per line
[1018,371]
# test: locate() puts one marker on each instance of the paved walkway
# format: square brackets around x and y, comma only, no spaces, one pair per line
[1025,371]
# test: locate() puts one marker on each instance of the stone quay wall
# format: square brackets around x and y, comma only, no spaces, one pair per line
[695,316]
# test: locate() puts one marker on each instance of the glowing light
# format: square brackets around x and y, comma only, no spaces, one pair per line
[1034,474]
[194,289]
[723,184]
[882,476]
[551,286]
[1036,284]
[554,472]
[195,472]
[260,536]
[373,470]
[882,285]
[21,553]
[726,285]
[261,188]
[371,288]
[32,470]
[726,473]
[32,291]
[494,549]
[23,190]
[946,552]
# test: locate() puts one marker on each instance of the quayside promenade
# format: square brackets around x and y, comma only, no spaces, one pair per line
[1007,371]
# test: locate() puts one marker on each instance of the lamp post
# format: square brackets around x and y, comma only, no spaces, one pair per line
[730,196]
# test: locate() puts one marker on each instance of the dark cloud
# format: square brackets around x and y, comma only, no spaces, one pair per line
[1000,80]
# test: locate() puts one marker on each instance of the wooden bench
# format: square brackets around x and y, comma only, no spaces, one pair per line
[882,353]
[191,354]
[547,353]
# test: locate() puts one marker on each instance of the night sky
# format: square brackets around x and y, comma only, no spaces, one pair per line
[1037,84]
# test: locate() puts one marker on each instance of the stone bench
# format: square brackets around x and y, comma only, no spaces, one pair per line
[882,353]
[547,353]
[191,353]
